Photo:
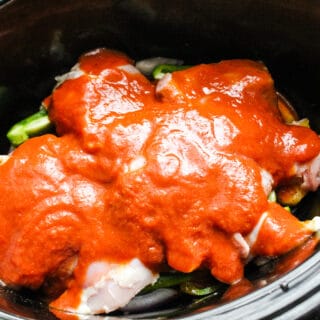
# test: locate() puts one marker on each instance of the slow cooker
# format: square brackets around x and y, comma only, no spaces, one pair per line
[40,39]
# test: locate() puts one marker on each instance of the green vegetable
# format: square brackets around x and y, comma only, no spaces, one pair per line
[168,280]
[195,290]
[160,70]
[198,283]
[272,196]
[201,285]
[33,125]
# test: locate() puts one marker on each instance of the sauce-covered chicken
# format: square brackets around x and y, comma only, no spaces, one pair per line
[145,174]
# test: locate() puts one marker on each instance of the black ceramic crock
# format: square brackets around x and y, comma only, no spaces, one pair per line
[40,39]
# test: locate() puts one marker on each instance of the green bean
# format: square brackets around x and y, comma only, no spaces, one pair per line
[33,125]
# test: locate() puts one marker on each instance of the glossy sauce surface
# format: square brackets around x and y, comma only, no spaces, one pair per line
[166,173]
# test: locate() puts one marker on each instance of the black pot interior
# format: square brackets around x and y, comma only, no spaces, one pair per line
[40,39]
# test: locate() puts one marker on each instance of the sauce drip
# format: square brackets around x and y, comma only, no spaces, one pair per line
[167,172]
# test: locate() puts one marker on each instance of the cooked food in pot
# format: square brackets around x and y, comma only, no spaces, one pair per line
[148,175]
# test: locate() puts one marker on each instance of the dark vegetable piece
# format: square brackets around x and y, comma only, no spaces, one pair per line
[288,113]
[160,70]
[291,194]
[34,125]
[151,300]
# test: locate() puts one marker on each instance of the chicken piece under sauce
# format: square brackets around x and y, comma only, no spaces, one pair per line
[146,174]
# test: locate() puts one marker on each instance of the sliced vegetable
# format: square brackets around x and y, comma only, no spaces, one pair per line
[194,284]
[202,284]
[160,70]
[302,123]
[291,194]
[288,113]
[151,300]
[193,288]
[272,196]
[33,125]
[146,66]
[168,280]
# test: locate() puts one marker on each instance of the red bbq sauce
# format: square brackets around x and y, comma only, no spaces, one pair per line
[166,174]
